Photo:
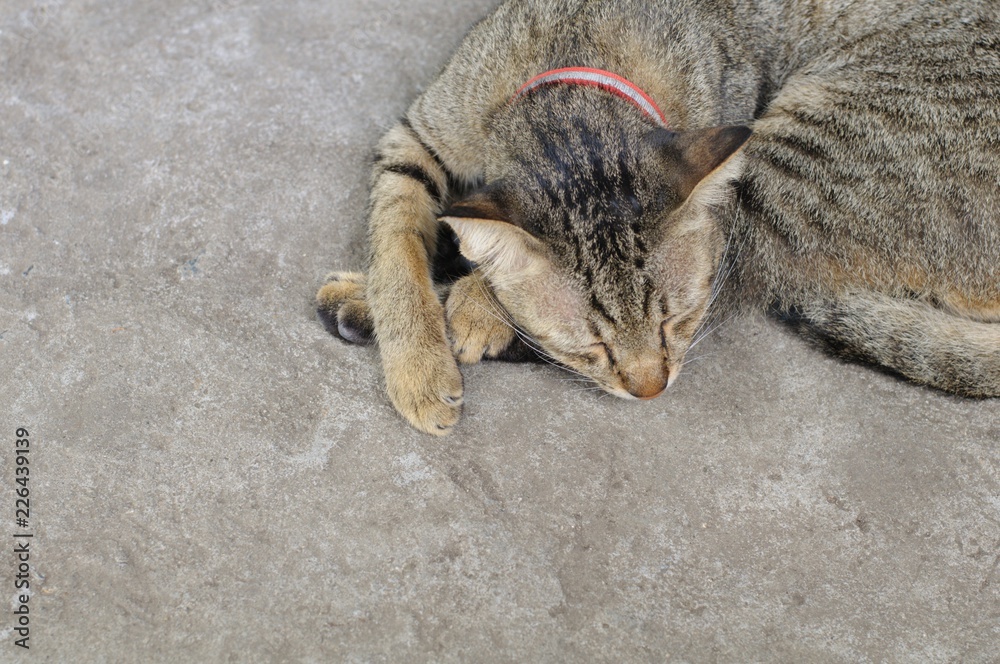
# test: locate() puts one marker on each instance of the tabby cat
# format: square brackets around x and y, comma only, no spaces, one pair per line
[617,172]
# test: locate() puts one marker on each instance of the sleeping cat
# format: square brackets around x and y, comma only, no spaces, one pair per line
[618,172]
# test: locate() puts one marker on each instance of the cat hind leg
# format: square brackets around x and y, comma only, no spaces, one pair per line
[908,336]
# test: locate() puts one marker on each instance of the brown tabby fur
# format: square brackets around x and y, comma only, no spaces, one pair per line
[864,207]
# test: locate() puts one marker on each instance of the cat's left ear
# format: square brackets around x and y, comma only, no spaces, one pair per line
[695,159]
[488,236]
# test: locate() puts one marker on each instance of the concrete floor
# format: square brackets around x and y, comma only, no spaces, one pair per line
[217,479]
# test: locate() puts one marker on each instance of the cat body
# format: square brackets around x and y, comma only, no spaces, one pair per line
[863,207]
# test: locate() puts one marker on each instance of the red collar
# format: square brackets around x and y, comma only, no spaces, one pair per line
[597,78]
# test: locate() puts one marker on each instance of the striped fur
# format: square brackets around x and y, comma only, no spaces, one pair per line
[863,207]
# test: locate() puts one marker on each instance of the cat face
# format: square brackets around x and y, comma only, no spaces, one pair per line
[610,273]
[628,334]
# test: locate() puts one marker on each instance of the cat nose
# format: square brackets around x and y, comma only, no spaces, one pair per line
[647,375]
[647,397]
[649,388]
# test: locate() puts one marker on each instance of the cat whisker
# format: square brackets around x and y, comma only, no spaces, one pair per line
[546,357]
[726,268]
[701,336]
[709,324]
[697,359]
[501,315]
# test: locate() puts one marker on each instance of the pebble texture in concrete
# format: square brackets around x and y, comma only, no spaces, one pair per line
[214,478]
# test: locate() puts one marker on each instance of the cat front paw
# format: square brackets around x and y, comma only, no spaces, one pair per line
[341,306]
[477,325]
[425,386]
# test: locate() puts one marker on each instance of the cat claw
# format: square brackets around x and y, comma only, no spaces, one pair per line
[425,387]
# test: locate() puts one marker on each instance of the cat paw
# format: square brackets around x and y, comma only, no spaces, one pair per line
[425,387]
[341,306]
[475,323]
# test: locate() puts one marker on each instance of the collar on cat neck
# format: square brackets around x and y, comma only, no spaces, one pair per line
[597,78]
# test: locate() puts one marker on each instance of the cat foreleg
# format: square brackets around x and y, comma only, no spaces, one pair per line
[909,336]
[408,189]
[478,325]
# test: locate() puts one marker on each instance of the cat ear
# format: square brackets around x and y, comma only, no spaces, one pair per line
[692,156]
[487,236]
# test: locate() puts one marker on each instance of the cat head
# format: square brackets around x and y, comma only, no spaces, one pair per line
[603,250]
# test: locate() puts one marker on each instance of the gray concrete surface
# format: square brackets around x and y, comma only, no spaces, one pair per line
[217,479]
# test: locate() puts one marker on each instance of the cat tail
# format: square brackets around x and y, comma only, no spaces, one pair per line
[907,336]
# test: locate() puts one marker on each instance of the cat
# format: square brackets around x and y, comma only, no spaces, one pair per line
[617,173]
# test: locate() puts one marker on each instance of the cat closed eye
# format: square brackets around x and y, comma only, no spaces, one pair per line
[600,351]
[680,326]
[670,327]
